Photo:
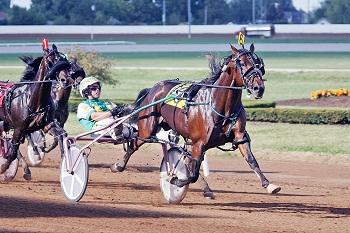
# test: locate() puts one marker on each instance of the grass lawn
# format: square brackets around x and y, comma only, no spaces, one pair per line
[320,139]
[271,59]
[196,59]
[279,86]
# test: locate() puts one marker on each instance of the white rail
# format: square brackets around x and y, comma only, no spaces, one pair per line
[168,29]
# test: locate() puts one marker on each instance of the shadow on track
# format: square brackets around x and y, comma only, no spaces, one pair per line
[12,207]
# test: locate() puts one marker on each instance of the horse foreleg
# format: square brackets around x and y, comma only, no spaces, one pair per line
[243,142]
[59,133]
[56,140]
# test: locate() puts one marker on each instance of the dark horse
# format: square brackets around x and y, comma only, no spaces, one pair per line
[28,106]
[215,117]
[60,93]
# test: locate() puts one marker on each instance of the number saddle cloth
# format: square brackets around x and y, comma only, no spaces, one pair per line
[183,93]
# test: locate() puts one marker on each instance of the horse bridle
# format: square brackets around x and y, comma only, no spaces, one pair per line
[71,79]
[257,66]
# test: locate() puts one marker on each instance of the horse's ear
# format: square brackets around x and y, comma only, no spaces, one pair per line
[54,47]
[234,50]
[252,48]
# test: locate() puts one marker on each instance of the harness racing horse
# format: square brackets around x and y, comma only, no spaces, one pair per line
[28,106]
[215,117]
[60,93]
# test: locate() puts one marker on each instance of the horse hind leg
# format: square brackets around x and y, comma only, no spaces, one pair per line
[146,128]
[193,166]
[245,149]
[130,149]
[207,192]
[27,174]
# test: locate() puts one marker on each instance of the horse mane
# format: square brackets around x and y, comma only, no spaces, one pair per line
[215,68]
[31,68]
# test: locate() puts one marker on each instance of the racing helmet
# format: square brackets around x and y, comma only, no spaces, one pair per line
[85,83]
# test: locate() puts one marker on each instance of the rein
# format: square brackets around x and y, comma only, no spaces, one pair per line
[32,82]
[208,85]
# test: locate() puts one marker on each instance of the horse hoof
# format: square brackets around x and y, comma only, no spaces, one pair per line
[116,168]
[209,195]
[273,189]
[27,177]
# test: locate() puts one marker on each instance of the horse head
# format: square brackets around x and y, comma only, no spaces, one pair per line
[56,64]
[250,69]
[77,73]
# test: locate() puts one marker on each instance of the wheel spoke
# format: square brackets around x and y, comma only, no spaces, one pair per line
[79,180]
[65,174]
[71,191]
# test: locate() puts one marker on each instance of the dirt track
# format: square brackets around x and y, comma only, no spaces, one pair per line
[315,197]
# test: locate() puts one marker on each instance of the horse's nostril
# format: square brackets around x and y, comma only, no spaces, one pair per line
[256,88]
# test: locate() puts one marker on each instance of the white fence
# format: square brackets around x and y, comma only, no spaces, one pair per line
[171,29]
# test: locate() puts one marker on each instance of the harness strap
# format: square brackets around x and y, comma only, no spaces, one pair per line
[233,118]
[235,143]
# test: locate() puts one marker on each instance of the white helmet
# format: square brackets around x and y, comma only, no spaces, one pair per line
[85,83]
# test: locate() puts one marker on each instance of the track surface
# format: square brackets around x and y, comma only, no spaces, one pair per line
[315,197]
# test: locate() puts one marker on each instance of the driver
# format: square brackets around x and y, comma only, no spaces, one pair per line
[94,113]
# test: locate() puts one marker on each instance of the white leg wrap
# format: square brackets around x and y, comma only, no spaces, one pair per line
[272,189]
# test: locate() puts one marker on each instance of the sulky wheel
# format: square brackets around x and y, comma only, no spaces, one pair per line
[74,183]
[174,167]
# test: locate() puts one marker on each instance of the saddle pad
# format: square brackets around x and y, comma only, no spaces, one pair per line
[4,88]
[179,91]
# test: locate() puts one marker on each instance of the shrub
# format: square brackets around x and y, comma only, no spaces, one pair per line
[93,64]
[300,116]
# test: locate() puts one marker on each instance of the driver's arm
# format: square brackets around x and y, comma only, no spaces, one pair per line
[97,116]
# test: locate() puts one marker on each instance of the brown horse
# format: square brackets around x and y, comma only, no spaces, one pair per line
[60,93]
[28,106]
[215,117]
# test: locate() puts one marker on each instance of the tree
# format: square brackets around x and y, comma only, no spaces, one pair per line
[211,12]
[4,5]
[336,11]
[21,16]
[241,13]
[142,12]
[276,9]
